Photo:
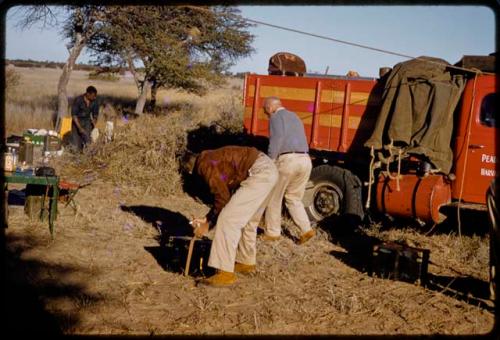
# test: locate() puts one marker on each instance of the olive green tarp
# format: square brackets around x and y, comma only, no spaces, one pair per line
[418,102]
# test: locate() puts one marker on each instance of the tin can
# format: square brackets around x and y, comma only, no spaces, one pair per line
[8,161]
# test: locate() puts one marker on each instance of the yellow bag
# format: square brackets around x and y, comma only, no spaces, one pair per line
[65,126]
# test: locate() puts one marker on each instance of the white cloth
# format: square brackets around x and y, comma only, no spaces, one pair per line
[94,135]
[108,132]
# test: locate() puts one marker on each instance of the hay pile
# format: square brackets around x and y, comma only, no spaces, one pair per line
[142,157]
[143,154]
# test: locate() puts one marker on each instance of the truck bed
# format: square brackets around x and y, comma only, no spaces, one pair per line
[338,114]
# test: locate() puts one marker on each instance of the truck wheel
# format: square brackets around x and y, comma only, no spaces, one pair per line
[325,193]
[494,238]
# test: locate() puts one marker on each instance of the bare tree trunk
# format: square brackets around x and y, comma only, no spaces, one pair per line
[154,91]
[142,86]
[62,95]
[141,100]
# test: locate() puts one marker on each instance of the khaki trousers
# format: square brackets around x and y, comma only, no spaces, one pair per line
[236,228]
[294,171]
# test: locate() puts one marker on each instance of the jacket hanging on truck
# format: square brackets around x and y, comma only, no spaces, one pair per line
[419,98]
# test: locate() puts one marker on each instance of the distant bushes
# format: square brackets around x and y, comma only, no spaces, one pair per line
[56,65]
[47,64]
[12,79]
[104,76]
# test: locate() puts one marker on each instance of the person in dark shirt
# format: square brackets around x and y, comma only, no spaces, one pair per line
[84,112]
[240,179]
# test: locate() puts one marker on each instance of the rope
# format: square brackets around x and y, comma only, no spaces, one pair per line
[399,170]
[370,178]
[345,42]
[465,159]
[389,160]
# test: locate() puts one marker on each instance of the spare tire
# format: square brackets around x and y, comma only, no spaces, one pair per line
[332,191]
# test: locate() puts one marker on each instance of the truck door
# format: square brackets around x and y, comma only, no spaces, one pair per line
[475,156]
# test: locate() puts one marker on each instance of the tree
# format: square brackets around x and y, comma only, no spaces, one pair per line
[79,25]
[182,47]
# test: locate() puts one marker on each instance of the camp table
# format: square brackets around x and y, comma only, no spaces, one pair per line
[46,181]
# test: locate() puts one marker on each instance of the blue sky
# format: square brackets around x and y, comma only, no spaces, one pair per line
[446,32]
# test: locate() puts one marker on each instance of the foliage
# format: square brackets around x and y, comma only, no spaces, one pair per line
[180,46]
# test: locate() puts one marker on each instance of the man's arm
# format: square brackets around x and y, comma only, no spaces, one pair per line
[74,114]
[77,123]
[276,135]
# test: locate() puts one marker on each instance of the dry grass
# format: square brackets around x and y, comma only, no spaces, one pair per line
[296,290]
[33,103]
[98,277]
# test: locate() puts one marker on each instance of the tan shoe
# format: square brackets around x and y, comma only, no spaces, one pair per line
[306,236]
[244,268]
[220,279]
[266,237]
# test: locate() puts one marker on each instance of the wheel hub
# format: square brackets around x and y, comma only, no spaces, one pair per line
[327,201]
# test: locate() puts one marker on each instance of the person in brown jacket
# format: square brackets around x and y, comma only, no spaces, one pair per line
[241,180]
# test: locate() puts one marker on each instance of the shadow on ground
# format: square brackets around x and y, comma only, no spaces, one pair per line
[463,288]
[345,232]
[167,222]
[29,282]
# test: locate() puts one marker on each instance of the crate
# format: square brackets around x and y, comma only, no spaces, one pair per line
[36,140]
[400,262]
[177,250]
[52,143]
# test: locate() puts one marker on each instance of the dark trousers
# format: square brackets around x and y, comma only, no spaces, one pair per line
[78,139]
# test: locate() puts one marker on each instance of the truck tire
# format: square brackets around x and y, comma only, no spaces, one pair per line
[494,237]
[327,194]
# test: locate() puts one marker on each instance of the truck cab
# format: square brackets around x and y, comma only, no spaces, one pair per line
[475,140]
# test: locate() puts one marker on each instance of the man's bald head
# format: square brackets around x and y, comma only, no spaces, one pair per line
[271,104]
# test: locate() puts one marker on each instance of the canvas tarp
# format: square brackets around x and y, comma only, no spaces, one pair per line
[418,102]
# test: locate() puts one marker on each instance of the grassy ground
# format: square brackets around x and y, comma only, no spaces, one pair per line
[33,102]
[105,273]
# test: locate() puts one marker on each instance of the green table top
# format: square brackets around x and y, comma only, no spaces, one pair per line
[40,180]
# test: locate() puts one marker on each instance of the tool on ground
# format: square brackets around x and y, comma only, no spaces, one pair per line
[190,254]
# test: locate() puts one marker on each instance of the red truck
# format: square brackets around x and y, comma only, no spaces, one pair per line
[339,115]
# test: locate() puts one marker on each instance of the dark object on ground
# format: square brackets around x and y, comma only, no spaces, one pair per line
[45,171]
[177,252]
[16,197]
[398,262]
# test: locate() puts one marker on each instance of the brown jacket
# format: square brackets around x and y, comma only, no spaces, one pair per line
[223,170]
